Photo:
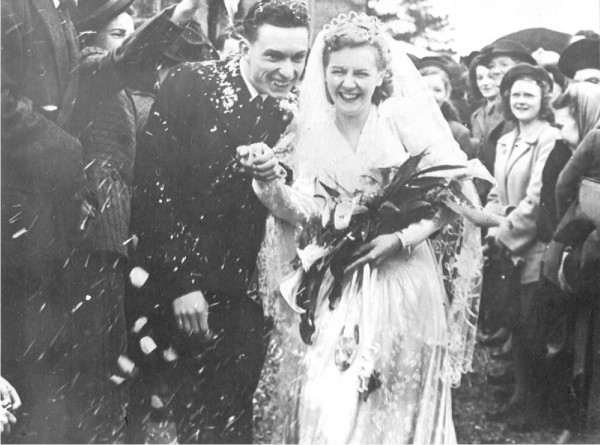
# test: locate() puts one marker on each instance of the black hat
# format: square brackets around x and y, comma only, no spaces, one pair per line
[191,46]
[524,70]
[582,54]
[443,62]
[91,14]
[436,61]
[467,60]
[505,47]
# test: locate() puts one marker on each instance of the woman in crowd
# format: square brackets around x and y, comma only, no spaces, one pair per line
[483,88]
[578,117]
[438,83]
[520,158]
[379,368]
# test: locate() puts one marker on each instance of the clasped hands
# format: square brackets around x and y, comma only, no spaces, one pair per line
[259,160]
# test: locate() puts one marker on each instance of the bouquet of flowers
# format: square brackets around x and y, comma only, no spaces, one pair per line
[406,194]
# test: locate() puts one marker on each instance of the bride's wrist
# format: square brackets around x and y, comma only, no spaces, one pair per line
[398,235]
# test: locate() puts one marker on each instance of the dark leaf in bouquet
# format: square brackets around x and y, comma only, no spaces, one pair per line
[307,326]
[415,206]
[389,208]
[404,174]
[365,231]
[437,168]
[427,181]
[339,261]
[330,191]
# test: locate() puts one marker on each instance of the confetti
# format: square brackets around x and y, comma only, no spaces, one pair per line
[148,345]
[117,380]
[126,365]
[170,355]
[139,324]
[138,277]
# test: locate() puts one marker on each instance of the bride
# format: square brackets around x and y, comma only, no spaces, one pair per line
[382,362]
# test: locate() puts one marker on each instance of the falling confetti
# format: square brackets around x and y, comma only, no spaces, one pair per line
[156,402]
[126,365]
[139,324]
[170,355]
[138,277]
[117,380]
[147,345]
[19,233]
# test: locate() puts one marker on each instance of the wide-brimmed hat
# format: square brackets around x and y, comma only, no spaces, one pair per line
[582,54]
[92,14]
[524,70]
[505,47]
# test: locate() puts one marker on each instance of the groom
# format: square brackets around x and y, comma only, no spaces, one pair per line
[200,227]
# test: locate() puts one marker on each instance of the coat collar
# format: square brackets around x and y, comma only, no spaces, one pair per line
[510,151]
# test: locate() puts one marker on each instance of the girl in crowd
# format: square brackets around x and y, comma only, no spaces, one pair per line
[362,109]
[520,158]
[438,83]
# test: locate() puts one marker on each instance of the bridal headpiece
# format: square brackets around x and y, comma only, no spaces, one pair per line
[356,28]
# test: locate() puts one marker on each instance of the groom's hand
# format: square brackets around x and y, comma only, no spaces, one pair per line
[191,314]
[259,159]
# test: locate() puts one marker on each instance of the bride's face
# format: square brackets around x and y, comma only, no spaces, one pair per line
[351,78]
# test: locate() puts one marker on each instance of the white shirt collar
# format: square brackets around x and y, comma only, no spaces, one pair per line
[56,3]
[253,91]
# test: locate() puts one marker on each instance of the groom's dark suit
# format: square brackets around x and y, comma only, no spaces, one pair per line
[200,227]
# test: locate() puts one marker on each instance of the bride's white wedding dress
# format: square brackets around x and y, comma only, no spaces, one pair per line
[401,315]
[394,321]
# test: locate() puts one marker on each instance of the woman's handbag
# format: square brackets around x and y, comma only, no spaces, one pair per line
[501,286]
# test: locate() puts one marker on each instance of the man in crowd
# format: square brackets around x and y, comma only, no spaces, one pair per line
[580,61]
[200,227]
[42,189]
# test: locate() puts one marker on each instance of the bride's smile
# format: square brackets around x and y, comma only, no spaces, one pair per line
[351,75]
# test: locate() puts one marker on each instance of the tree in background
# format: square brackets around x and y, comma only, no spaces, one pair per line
[414,21]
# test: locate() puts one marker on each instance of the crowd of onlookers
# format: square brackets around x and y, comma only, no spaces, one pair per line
[535,125]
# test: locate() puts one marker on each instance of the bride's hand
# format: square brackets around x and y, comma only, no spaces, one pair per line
[259,159]
[376,251]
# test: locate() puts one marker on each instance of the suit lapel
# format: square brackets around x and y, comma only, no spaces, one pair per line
[53,22]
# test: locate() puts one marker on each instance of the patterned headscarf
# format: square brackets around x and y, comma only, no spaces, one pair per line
[585,99]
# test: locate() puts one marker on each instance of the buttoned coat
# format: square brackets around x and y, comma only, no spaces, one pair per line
[518,172]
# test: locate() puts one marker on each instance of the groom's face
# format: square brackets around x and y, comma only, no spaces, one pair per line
[275,59]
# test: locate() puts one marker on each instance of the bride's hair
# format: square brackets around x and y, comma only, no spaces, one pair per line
[355,30]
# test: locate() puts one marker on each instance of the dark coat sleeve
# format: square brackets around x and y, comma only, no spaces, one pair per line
[132,65]
[44,154]
[160,208]
[586,156]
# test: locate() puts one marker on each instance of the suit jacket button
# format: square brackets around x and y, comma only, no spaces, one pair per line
[42,71]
